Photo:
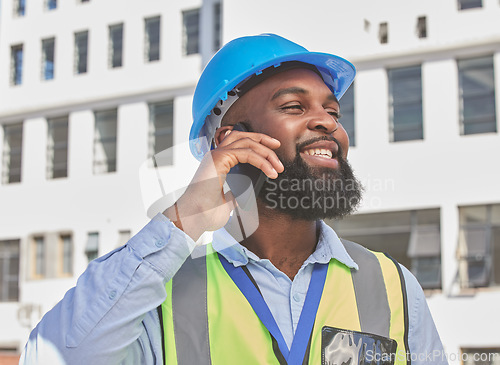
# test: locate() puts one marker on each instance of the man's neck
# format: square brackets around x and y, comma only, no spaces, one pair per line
[284,241]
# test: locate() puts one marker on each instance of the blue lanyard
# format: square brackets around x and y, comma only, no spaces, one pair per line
[295,355]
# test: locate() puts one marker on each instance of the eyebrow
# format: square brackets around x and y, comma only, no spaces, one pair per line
[332,97]
[298,90]
[290,90]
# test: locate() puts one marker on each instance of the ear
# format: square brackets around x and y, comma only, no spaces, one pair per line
[221,133]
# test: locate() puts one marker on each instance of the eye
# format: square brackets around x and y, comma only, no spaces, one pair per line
[294,108]
[335,114]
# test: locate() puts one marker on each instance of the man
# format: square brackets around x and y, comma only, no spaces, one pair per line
[289,293]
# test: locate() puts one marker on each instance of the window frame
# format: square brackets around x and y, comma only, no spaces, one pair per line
[218,23]
[50,5]
[92,246]
[423,262]
[19,8]
[9,256]
[482,94]
[9,152]
[102,163]
[397,130]
[190,42]
[156,131]
[487,260]
[403,228]
[348,114]
[152,54]
[45,64]
[124,236]
[421,29]
[38,257]
[383,32]
[16,64]
[114,49]
[66,254]
[54,146]
[463,4]
[81,53]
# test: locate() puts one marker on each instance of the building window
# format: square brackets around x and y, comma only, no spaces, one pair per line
[422,27]
[12,153]
[480,356]
[116,46]
[57,148]
[161,136]
[411,237]
[217,26]
[48,46]
[383,33]
[81,52]
[347,112]
[92,246]
[16,68]
[152,41]
[469,4]
[191,31]
[19,7]
[105,141]
[367,25]
[38,257]
[405,103]
[479,246]
[477,95]
[9,270]
[66,249]
[51,4]
[123,237]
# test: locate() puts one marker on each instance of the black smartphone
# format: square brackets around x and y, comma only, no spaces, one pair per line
[241,186]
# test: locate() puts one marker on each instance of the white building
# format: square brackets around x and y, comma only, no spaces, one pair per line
[101,86]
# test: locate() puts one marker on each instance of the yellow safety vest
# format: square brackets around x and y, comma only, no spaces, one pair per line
[207,320]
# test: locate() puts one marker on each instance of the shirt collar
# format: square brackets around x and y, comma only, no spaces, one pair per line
[329,247]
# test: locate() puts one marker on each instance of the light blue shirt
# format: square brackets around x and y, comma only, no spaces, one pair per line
[110,316]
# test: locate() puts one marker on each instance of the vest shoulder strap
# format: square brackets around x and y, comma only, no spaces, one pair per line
[189,307]
[371,291]
[369,286]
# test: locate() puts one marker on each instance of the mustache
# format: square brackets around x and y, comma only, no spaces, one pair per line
[301,145]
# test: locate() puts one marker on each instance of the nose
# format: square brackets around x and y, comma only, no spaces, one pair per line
[322,121]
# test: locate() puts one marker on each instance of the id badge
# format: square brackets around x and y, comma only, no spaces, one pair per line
[343,347]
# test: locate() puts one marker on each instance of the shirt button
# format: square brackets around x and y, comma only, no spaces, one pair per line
[112,294]
[159,243]
[296,297]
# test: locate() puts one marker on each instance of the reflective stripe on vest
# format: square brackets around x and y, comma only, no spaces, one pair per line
[206,319]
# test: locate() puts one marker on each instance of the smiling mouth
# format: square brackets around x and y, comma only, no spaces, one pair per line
[326,149]
[319,152]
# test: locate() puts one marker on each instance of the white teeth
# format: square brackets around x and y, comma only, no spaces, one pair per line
[320,152]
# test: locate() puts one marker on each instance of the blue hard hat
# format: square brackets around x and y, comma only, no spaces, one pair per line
[243,58]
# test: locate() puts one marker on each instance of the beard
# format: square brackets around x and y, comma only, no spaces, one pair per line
[311,193]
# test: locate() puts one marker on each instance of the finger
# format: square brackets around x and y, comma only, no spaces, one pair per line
[232,136]
[260,161]
[259,148]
